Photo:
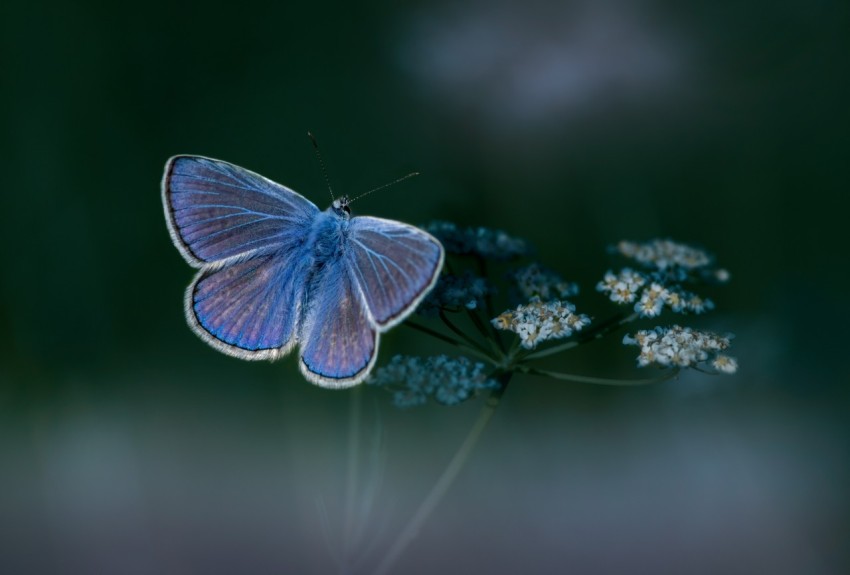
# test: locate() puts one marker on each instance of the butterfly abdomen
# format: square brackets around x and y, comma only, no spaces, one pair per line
[325,245]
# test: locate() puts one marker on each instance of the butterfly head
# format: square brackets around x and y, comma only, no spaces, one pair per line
[340,207]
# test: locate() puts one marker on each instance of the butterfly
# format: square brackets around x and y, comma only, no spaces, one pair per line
[276,272]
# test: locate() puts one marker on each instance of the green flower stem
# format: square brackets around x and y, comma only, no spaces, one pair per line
[433,333]
[605,327]
[450,473]
[489,309]
[489,336]
[459,332]
[479,325]
[551,350]
[669,374]
[353,471]
[513,352]
[591,334]
[450,340]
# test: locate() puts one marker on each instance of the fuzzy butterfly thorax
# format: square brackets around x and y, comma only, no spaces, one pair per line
[329,234]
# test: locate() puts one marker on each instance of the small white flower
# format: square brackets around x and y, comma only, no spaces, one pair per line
[632,278]
[697,304]
[622,287]
[608,282]
[722,275]
[656,291]
[676,301]
[649,306]
[622,293]
[725,364]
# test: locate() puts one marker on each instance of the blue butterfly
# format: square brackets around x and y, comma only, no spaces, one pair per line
[275,271]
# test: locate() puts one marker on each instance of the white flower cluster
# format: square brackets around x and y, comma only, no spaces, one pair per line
[663,254]
[536,280]
[682,347]
[537,321]
[628,285]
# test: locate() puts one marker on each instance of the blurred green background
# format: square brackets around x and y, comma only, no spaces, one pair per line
[129,446]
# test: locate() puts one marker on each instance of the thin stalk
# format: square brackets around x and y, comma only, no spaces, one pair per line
[461,333]
[606,326]
[552,350]
[479,325]
[596,332]
[488,307]
[513,352]
[450,340]
[353,472]
[433,333]
[492,338]
[450,473]
[670,374]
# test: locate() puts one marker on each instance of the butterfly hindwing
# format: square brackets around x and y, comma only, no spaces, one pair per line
[395,265]
[339,342]
[217,211]
[249,308]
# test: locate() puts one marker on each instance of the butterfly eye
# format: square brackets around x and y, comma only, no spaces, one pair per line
[341,206]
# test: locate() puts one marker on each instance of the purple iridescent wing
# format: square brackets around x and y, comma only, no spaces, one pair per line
[339,342]
[217,211]
[247,235]
[248,309]
[394,265]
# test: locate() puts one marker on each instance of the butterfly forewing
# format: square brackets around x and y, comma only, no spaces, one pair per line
[395,265]
[218,211]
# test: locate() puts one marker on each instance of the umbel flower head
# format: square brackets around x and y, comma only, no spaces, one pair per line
[665,254]
[485,243]
[668,261]
[455,292]
[536,321]
[668,265]
[536,280]
[682,347]
[449,380]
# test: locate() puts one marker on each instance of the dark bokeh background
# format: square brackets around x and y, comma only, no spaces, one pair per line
[129,446]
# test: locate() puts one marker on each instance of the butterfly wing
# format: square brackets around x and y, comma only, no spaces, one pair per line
[218,212]
[247,235]
[339,342]
[386,270]
[394,264]
[249,308]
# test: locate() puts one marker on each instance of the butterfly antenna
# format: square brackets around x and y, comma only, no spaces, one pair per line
[321,163]
[394,182]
